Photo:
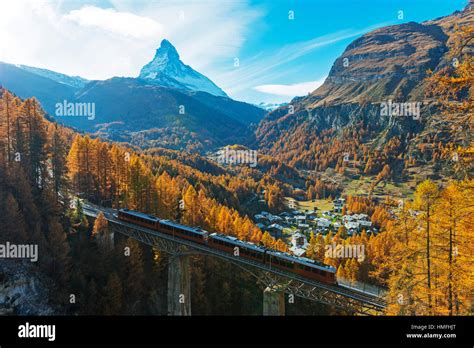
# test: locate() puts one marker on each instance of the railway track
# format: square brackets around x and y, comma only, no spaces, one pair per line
[373,300]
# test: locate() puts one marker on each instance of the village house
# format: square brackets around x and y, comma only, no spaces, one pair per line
[273,218]
[285,215]
[311,215]
[363,223]
[355,223]
[303,226]
[351,225]
[299,244]
[360,216]
[328,214]
[338,204]
[323,222]
[259,217]
[275,230]
[300,218]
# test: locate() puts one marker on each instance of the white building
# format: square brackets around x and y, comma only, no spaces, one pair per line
[303,226]
[299,244]
[273,218]
[276,230]
[360,216]
[338,204]
[347,218]
[323,222]
[351,225]
[300,218]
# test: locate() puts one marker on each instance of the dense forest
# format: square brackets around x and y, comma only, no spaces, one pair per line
[423,255]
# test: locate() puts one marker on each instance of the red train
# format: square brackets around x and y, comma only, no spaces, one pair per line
[299,265]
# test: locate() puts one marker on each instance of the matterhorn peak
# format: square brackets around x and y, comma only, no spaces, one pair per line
[167,50]
[167,70]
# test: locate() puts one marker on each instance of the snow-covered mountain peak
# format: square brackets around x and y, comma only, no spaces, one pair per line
[167,70]
[166,54]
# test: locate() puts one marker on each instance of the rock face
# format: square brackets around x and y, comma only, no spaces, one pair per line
[390,61]
[384,62]
[21,291]
[402,50]
[167,70]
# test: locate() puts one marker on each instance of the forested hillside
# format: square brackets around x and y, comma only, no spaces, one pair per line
[43,167]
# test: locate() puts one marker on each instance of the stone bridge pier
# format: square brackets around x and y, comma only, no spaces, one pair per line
[179,285]
[273,301]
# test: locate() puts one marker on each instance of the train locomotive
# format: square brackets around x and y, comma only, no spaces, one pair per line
[301,266]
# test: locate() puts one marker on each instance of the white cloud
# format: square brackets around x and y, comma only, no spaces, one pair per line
[80,38]
[122,23]
[297,89]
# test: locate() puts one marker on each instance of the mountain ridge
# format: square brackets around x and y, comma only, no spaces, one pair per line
[171,114]
[72,81]
[132,106]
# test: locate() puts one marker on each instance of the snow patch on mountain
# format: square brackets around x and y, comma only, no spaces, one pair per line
[73,81]
[270,106]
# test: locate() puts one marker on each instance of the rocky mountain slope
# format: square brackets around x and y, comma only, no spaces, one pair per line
[23,291]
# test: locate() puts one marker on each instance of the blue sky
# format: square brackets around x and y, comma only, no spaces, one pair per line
[277,57]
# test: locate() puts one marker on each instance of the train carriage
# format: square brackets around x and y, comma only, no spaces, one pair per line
[302,266]
[245,249]
[164,226]
[299,265]
[141,219]
[194,234]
